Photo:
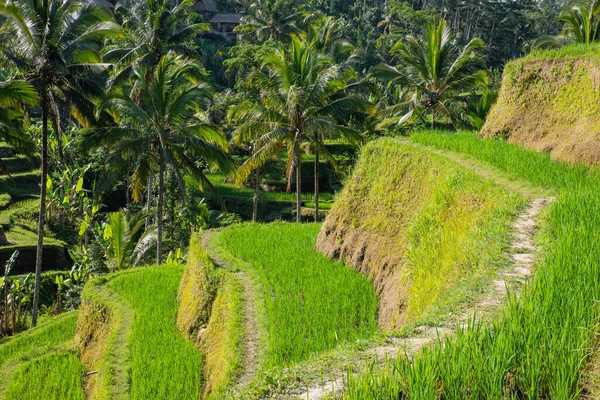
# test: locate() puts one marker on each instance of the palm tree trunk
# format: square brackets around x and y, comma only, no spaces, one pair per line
[256,195]
[316,185]
[432,121]
[159,211]
[42,214]
[298,188]
[149,201]
[331,7]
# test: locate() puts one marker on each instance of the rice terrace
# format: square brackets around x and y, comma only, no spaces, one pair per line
[283,199]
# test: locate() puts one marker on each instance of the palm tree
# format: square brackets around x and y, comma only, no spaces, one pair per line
[387,24]
[166,132]
[152,28]
[580,25]
[304,96]
[53,43]
[271,20]
[431,74]
[13,96]
[127,244]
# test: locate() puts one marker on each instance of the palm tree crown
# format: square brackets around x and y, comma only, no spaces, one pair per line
[431,74]
[165,132]
[304,98]
[55,43]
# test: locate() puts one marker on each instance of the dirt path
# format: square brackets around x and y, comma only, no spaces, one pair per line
[522,256]
[251,333]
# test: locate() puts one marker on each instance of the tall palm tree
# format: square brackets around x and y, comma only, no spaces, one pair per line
[303,99]
[271,20]
[431,74]
[152,28]
[580,25]
[166,132]
[53,43]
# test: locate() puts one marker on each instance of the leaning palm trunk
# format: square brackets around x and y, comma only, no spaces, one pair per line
[159,211]
[316,185]
[256,195]
[42,215]
[298,189]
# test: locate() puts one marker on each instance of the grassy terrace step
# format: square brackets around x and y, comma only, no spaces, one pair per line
[428,231]
[542,341]
[46,352]
[311,304]
[128,333]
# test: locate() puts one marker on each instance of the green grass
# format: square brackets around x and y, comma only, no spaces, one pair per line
[5,200]
[230,190]
[571,50]
[55,376]
[20,225]
[540,342]
[222,341]
[311,303]
[163,365]
[23,360]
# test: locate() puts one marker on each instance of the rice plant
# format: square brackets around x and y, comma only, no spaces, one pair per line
[163,364]
[541,341]
[312,304]
[56,376]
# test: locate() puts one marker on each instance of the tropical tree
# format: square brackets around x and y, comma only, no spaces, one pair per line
[166,132]
[126,240]
[53,43]
[271,20]
[580,25]
[152,28]
[431,75]
[304,96]
[13,96]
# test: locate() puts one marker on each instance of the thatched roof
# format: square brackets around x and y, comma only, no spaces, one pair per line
[226,19]
[205,5]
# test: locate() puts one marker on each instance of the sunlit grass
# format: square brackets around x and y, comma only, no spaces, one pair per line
[56,376]
[23,361]
[163,365]
[538,345]
[312,304]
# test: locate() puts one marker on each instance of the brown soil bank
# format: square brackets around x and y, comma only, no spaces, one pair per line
[550,104]
[420,225]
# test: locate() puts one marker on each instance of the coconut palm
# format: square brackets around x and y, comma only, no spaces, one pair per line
[431,74]
[53,43]
[387,24]
[271,20]
[304,96]
[166,132]
[152,28]
[13,95]
[580,25]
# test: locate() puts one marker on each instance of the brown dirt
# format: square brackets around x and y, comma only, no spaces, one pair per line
[375,256]
[251,334]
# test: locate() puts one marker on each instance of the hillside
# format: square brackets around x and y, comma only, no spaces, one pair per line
[416,222]
[549,102]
